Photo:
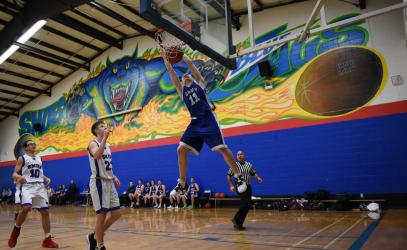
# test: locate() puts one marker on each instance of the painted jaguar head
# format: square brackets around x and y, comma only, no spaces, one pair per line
[118,83]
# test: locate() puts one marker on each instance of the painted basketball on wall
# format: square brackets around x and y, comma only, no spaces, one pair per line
[339,81]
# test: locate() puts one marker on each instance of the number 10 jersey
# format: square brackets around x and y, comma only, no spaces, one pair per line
[101,168]
[32,169]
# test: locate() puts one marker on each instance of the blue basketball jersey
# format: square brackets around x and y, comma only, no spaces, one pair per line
[196,100]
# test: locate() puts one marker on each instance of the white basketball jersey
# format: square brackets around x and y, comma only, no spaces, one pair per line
[32,169]
[101,168]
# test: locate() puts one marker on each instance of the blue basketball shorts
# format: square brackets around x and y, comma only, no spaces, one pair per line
[203,129]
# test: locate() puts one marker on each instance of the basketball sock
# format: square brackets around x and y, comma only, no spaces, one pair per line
[99,245]
[47,235]
[15,216]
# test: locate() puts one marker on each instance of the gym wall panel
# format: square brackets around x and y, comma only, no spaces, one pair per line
[359,156]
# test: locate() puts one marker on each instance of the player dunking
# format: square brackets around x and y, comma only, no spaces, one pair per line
[204,126]
[103,184]
[29,174]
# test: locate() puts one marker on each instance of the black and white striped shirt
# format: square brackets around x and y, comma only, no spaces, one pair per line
[246,169]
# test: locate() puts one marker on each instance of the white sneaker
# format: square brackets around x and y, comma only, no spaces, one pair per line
[176,207]
[170,207]
[159,206]
[132,204]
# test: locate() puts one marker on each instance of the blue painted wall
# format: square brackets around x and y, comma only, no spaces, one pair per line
[359,156]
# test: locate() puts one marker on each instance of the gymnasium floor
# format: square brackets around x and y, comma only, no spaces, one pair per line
[212,229]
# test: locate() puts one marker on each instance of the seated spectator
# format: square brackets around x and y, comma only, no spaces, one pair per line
[147,193]
[55,197]
[153,194]
[176,195]
[139,192]
[193,190]
[130,194]
[6,195]
[173,198]
[62,195]
[183,195]
[160,194]
[72,192]
[3,195]
[50,192]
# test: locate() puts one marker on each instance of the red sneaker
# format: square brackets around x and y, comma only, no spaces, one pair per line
[49,243]
[12,241]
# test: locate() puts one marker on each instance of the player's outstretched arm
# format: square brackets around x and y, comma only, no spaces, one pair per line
[174,78]
[18,178]
[194,71]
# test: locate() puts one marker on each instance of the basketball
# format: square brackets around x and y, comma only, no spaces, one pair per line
[339,81]
[221,195]
[174,54]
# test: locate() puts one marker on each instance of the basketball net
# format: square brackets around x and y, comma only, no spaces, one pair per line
[170,44]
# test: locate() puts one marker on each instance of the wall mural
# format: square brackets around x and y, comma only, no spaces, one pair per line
[331,74]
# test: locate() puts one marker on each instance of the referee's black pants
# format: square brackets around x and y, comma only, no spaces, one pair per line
[245,204]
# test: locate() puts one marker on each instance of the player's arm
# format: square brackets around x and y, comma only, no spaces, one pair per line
[18,178]
[194,71]
[197,187]
[97,151]
[47,180]
[174,77]
[116,181]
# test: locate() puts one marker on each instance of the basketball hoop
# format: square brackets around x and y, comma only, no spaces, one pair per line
[171,45]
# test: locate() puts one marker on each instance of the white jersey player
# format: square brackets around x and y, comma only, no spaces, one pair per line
[103,184]
[29,174]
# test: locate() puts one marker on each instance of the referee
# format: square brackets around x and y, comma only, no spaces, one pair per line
[247,170]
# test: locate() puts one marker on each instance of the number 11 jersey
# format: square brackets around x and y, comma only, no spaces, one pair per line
[196,100]
[101,168]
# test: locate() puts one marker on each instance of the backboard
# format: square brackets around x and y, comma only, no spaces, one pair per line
[209,27]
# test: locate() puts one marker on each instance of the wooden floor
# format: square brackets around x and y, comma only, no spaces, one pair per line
[212,229]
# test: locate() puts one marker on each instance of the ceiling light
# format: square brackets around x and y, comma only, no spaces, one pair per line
[31,31]
[8,53]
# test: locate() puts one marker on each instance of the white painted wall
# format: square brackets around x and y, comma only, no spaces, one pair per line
[386,34]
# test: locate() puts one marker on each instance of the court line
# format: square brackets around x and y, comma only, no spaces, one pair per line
[201,237]
[344,232]
[320,231]
[358,244]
